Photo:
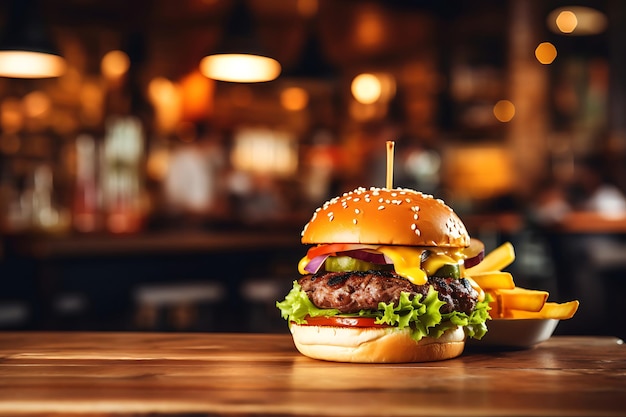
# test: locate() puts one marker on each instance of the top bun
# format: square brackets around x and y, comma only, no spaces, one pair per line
[386,216]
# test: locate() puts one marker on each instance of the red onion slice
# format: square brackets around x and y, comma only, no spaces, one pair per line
[475,253]
[315,264]
[367,256]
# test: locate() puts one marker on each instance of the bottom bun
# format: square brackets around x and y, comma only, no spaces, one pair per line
[374,345]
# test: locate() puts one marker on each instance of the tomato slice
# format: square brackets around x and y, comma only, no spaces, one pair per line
[343,321]
[333,248]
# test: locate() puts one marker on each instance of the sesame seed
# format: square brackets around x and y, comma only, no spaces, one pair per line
[356,199]
[418,232]
[380,200]
[357,211]
[381,207]
[394,194]
[413,226]
[354,221]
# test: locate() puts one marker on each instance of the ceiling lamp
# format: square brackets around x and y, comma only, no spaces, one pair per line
[577,20]
[239,57]
[312,63]
[311,74]
[26,50]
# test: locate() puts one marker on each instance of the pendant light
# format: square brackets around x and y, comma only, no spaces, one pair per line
[312,63]
[311,75]
[26,49]
[239,56]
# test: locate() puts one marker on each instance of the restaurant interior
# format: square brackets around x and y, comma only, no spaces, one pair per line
[147,186]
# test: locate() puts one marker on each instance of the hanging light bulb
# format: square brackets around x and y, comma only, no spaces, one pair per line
[25,49]
[239,58]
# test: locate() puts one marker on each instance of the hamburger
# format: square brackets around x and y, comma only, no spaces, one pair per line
[384,282]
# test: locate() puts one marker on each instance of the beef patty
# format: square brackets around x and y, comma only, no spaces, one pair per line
[350,292]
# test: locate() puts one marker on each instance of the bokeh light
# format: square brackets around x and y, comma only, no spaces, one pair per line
[504,111]
[545,53]
[566,21]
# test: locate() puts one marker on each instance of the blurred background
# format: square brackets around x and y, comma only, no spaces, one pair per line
[147,185]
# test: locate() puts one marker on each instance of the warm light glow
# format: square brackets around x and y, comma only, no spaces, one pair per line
[36,104]
[479,172]
[165,98]
[566,21]
[545,53]
[240,68]
[197,95]
[92,97]
[307,8]
[370,88]
[11,115]
[115,64]
[158,164]
[369,27]
[24,64]
[366,88]
[577,20]
[294,98]
[265,151]
[504,111]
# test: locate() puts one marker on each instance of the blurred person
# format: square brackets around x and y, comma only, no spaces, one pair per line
[257,197]
[550,205]
[193,180]
[592,261]
[595,192]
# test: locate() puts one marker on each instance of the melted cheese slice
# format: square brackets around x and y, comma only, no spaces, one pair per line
[406,262]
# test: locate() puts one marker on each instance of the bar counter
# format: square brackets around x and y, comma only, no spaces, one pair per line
[101,373]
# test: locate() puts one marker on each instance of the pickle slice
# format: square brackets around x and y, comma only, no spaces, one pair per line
[346,263]
[448,271]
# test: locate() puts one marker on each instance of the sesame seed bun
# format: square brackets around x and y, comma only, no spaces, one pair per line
[374,345]
[386,216]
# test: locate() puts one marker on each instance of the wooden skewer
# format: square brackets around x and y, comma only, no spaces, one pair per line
[390,145]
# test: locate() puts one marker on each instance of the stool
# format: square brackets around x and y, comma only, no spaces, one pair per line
[176,306]
[13,314]
[261,295]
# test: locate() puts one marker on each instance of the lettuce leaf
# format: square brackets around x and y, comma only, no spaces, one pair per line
[296,306]
[420,314]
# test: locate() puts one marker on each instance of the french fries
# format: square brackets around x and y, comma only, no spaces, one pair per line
[548,311]
[496,260]
[520,299]
[494,280]
[509,300]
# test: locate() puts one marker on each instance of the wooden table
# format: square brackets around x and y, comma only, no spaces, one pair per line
[248,374]
[593,223]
